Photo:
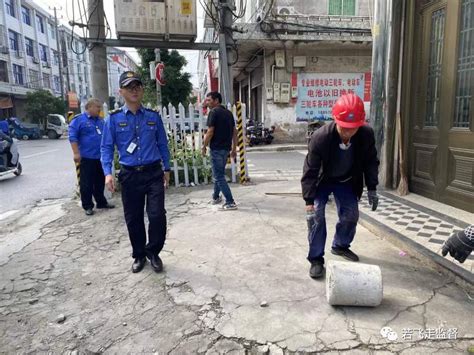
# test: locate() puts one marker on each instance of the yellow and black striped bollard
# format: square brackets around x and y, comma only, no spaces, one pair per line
[70,116]
[241,143]
[78,175]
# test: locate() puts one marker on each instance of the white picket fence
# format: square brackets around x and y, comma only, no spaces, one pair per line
[186,133]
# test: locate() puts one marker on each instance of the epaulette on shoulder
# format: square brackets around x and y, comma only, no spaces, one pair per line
[151,110]
[117,110]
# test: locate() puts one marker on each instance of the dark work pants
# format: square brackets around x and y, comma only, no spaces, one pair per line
[140,188]
[348,212]
[92,182]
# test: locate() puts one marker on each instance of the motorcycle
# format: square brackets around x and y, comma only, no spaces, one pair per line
[258,134]
[9,156]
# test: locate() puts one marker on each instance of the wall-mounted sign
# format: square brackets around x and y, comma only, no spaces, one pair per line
[317,93]
[186,7]
[173,19]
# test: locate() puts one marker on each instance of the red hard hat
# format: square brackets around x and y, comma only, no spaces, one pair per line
[348,111]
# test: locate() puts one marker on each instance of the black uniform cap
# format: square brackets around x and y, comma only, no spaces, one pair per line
[129,77]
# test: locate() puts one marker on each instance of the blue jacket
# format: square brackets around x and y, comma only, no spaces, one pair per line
[87,131]
[144,129]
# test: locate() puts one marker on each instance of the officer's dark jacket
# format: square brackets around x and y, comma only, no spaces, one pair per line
[322,147]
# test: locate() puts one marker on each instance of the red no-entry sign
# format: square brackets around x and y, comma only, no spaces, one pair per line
[160,74]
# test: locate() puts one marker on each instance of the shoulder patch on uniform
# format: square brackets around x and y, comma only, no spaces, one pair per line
[117,110]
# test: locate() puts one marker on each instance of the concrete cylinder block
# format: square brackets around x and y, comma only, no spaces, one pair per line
[353,284]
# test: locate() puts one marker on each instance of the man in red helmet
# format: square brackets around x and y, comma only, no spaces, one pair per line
[341,156]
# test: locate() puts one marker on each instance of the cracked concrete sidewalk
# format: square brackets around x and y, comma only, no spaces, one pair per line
[220,268]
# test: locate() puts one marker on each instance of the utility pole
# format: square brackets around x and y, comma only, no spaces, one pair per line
[61,78]
[394,30]
[225,39]
[158,86]
[385,67]
[378,100]
[98,53]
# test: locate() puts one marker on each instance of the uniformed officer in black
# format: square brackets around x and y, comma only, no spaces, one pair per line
[85,135]
[141,141]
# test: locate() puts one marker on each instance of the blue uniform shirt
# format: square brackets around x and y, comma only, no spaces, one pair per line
[144,129]
[86,131]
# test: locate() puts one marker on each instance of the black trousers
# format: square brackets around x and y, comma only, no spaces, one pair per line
[92,183]
[140,188]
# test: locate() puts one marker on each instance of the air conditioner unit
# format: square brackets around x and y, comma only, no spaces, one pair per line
[36,60]
[285,10]
[4,49]
[46,65]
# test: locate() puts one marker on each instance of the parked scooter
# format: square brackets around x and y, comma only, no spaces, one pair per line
[258,134]
[9,156]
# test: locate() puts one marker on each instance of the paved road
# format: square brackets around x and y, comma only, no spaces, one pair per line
[276,165]
[48,172]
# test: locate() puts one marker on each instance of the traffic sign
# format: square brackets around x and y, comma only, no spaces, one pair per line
[160,73]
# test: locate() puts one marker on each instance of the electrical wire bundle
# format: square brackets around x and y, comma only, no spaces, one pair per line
[84,23]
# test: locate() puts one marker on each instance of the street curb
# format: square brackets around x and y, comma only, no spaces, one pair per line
[288,148]
[461,276]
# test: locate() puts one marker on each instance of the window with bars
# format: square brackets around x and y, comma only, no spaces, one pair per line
[35,81]
[29,46]
[18,74]
[342,7]
[465,67]
[52,31]
[13,39]
[3,71]
[57,83]
[39,23]
[43,53]
[25,15]
[434,68]
[10,7]
[46,81]
[55,56]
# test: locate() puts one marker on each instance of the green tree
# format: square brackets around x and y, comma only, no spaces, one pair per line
[40,103]
[178,86]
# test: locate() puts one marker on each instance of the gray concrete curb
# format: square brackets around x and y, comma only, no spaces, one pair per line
[462,277]
[277,148]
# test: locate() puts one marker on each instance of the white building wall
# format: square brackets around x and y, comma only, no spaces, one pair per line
[283,115]
[115,69]
[17,92]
